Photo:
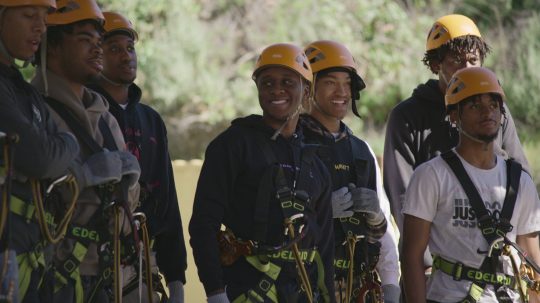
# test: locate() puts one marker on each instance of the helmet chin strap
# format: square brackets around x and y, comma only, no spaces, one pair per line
[485,142]
[295,113]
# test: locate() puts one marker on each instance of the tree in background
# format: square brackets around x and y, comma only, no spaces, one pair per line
[195,56]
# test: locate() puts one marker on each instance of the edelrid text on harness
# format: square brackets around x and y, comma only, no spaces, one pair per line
[492,228]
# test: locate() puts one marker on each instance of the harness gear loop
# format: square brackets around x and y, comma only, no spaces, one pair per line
[59,233]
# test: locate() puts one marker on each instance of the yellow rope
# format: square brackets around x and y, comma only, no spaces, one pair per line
[299,263]
[5,206]
[60,231]
[116,256]
[351,245]
[146,247]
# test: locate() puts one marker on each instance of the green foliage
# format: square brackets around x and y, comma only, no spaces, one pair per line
[196,56]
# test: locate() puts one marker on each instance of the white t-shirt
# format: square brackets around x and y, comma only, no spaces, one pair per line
[435,195]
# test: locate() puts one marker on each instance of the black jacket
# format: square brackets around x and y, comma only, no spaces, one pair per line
[146,138]
[227,192]
[42,152]
[417,131]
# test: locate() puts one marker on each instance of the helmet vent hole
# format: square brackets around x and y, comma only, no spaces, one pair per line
[70,6]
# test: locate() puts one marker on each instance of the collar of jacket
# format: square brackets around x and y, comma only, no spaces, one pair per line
[134,95]
[313,125]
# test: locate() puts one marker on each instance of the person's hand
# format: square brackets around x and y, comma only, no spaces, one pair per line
[391,293]
[365,200]
[99,168]
[130,168]
[176,292]
[341,203]
[218,298]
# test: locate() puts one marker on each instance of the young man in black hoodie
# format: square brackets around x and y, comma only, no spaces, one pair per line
[258,179]
[41,153]
[146,138]
[358,194]
[417,130]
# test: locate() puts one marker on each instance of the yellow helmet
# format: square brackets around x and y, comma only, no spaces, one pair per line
[449,27]
[472,81]
[71,11]
[12,3]
[286,55]
[325,54]
[116,22]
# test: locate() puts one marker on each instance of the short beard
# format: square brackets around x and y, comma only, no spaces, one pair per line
[488,138]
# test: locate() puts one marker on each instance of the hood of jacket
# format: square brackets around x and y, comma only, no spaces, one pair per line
[87,110]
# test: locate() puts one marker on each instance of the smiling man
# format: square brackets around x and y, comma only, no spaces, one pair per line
[257,179]
[74,59]
[146,138]
[358,194]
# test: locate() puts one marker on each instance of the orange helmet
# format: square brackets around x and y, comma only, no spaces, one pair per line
[116,22]
[472,81]
[12,3]
[286,55]
[71,11]
[325,54]
[449,27]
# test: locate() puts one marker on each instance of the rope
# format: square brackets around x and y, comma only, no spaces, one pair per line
[351,245]
[60,232]
[299,263]
[146,248]
[116,256]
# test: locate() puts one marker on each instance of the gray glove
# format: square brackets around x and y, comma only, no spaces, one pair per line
[99,168]
[341,203]
[176,292]
[365,200]
[130,168]
[219,298]
[391,293]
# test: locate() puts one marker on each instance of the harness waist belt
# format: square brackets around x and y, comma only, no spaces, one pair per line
[459,271]
[27,210]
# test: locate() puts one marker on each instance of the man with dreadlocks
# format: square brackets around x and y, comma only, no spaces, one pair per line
[417,130]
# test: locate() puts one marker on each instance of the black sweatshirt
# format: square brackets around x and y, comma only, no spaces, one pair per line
[227,192]
[146,138]
[42,151]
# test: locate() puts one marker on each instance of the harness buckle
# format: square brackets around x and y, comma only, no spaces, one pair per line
[456,271]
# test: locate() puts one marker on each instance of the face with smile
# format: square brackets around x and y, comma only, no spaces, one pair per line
[479,116]
[79,54]
[281,90]
[120,59]
[453,62]
[332,96]
[21,29]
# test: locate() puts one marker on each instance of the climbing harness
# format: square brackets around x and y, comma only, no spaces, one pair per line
[6,170]
[493,229]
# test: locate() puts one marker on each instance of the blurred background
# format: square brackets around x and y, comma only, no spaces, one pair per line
[196,58]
